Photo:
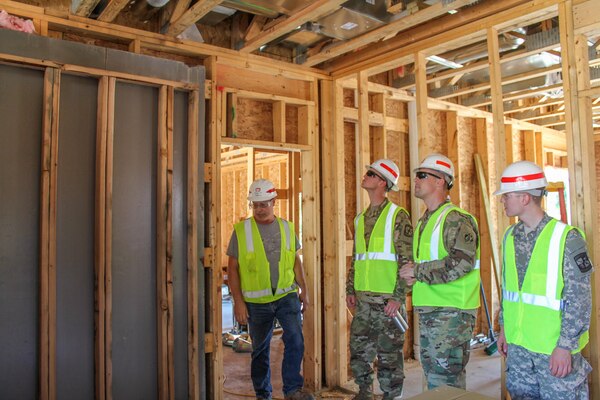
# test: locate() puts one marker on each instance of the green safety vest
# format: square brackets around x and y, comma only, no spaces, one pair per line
[376,268]
[462,293]
[255,274]
[533,315]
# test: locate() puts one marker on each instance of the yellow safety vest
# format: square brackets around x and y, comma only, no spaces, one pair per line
[533,315]
[462,293]
[376,268]
[255,274]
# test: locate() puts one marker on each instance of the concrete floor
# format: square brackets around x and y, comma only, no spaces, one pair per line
[483,375]
[483,370]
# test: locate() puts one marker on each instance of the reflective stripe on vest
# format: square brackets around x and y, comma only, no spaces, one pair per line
[462,293]
[376,267]
[533,320]
[257,271]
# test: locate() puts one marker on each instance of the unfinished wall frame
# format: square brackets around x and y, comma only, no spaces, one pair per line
[234,83]
[85,209]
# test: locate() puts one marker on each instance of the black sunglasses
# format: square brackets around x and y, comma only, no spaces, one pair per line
[372,174]
[424,175]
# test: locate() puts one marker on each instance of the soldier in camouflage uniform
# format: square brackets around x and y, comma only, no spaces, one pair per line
[546,276]
[445,274]
[383,239]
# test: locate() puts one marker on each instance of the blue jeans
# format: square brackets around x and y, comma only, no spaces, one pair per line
[261,320]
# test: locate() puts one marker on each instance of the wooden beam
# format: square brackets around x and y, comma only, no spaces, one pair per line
[452,143]
[422,32]
[497,120]
[334,251]
[47,246]
[112,9]
[379,136]
[445,40]
[309,13]
[392,28]
[505,81]
[257,24]
[193,295]
[193,14]
[180,9]
[363,150]
[581,161]
[84,7]
[279,122]
[529,145]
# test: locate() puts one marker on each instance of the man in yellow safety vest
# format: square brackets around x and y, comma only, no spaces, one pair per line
[382,241]
[546,294]
[264,273]
[445,274]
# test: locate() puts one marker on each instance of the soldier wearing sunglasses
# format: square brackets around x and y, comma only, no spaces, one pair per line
[382,242]
[445,274]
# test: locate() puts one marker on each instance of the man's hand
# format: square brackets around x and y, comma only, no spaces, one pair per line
[407,272]
[560,362]
[241,312]
[304,300]
[502,345]
[391,307]
[351,301]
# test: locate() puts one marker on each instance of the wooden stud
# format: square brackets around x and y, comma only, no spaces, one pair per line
[310,239]
[334,251]
[110,134]
[379,137]
[100,239]
[48,189]
[497,120]
[363,151]
[581,159]
[529,144]
[452,142]
[161,247]
[485,233]
[539,149]
[508,132]
[279,122]
[194,336]
[215,377]
[550,158]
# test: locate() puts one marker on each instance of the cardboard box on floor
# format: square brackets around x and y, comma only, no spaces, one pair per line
[450,393]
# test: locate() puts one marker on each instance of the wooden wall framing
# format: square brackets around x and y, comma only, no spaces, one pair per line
[103,351]
[233,82]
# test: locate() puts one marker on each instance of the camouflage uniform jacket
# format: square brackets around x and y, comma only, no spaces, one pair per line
[460,240]
[577,270]
[403,234]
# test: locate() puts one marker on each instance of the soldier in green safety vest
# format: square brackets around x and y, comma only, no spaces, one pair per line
[546,294]
[264,274]
[445,274]
[382,241]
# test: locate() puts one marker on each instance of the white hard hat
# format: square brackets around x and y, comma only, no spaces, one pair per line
[389,170]
[262,190]
[522,176]
[438,162]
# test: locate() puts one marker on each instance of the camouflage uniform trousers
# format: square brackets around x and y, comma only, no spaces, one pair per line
[528,377]
[374,334]
[445,346]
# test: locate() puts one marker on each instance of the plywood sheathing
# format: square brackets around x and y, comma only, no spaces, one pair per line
[254,120]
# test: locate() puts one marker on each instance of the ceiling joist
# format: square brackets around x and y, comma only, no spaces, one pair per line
[382,32]
[193,14]
[84,8]
[112,9]
[313,11]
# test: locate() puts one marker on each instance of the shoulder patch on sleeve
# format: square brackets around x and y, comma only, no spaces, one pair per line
[408,230]
[583,262]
